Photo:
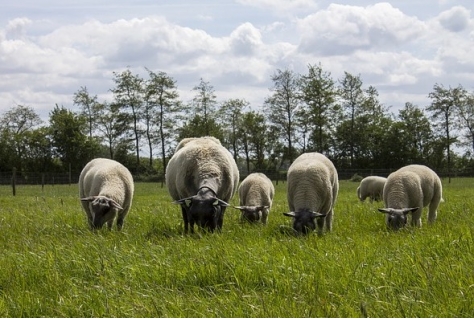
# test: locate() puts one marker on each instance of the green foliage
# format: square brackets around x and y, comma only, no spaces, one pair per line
[356,178]
[54,266]
[69,142]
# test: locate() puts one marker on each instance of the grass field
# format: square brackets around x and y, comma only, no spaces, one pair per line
[52,265]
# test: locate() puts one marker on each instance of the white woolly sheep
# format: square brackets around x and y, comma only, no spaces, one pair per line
[372,187]
[312,191]
[106,191]
[256,195]
[202,177]
[408,190]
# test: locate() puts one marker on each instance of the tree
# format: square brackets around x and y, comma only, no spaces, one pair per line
[282,106]
[162,101]
[128,95]
[89,107]
[38,152]
[198,127]
[15,125]
[416,134]
[444,105]
[114,126]
[254,138]
[466,115]
[231,114]
[204,104]
[352,97]
[69,142]
[319,94]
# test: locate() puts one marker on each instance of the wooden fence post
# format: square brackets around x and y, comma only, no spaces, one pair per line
[14,181]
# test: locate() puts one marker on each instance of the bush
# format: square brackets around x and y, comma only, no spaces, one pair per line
[356,178]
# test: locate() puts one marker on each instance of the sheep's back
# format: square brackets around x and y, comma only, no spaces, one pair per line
[202,160]
[256,189]
[371,184]
[420,182]
[311,184]
[108,178]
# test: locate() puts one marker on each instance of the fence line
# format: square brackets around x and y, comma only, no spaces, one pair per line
[49,178]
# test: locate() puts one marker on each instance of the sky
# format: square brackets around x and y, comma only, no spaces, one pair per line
[49,49]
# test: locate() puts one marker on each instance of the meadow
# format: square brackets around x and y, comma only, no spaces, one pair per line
[52,265]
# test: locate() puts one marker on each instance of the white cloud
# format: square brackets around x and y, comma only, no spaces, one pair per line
[246,39]
[455,19]
[281,6]
[16,28]
[44,59]
[342,29]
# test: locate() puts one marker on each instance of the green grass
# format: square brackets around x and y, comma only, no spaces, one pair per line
[52,265]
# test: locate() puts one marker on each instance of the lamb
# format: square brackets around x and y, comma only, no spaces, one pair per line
[202,177]
[312,191]
[408,190]
[256,195]
[372,187]
[106,191]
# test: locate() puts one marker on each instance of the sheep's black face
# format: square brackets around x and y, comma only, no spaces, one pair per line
[205,213]
[251,214]
[396,221]
[397,217]
[304,222]
[102,212]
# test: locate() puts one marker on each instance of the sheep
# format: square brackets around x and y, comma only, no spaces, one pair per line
[106,192]
[408,190]
[372,187]
[202,177]
[256,195]
[312,191]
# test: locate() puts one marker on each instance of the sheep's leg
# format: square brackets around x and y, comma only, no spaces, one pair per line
[109,224]
[416,217]
[120,223]
[90,221]
[185,219]
[433,211]
[121,218]
[220,219]
[320,223]
[265,216]
[328,219]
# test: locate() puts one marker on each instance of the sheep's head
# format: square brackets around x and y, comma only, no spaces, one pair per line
[103,209]
[204,209]
[304,221]
[251,213]
[397,218]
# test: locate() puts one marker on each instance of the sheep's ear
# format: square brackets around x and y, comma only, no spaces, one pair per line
[409,210]
[262,207]
[240,207]
[186,201]
[318,214]
[88,199]
[385,210]
[220,202]
[290,214]
[114,204]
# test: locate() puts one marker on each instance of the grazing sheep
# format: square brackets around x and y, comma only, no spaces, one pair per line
[408,190]
[202,177]
[106,192]
[312,191]
[372,187]
[256,195]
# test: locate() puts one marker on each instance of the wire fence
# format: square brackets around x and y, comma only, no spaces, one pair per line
[53,178]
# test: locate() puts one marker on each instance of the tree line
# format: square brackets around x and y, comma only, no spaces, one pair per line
[340,118]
